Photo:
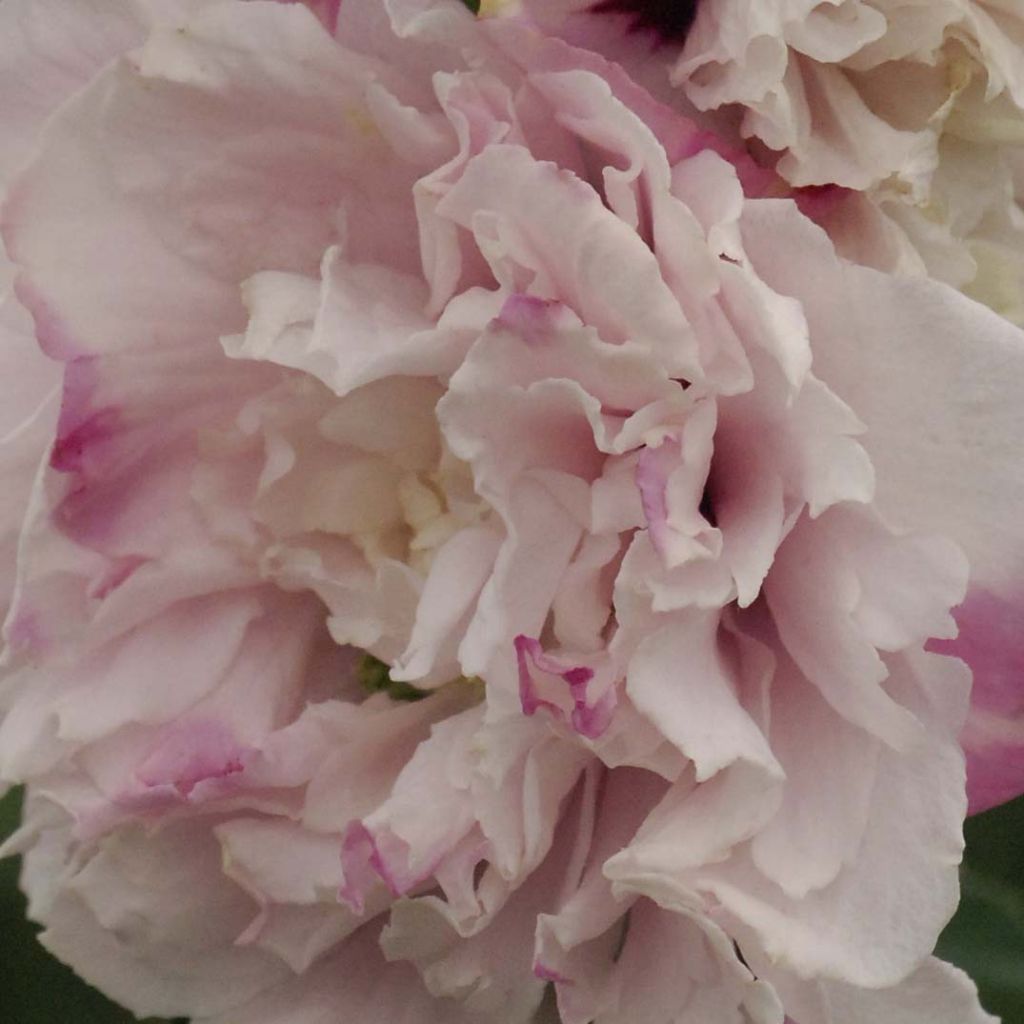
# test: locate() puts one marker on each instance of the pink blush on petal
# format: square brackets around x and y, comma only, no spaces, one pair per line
[652,470]
[366,856]
[191,761]
[531,318]
[991,643]
[192,752]
[817,202]
[362,864]
[71,450]
[84,427]
[754,179]
[546,973]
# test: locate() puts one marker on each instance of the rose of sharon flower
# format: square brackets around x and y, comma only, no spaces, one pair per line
[428,356]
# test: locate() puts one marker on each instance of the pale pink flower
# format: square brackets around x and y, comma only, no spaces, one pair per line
[391,331]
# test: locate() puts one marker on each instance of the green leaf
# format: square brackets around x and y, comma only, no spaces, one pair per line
[36,988]
[986,937]
[473,5]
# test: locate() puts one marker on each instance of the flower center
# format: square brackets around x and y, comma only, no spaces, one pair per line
[670,20]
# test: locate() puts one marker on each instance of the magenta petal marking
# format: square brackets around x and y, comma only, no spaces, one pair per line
[531,318]
[71,450]
[84,432]
[365,856]
[528,648]
[82,423]
[546,973]
[589,720]
[592,720]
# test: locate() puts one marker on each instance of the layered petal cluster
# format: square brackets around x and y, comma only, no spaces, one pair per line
[923,104]
[491,563]
[920,105]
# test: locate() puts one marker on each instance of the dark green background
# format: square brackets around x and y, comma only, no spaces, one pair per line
[986,937]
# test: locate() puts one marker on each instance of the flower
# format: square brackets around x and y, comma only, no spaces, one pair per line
[432,356]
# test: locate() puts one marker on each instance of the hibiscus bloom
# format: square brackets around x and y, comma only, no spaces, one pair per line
[486,560]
